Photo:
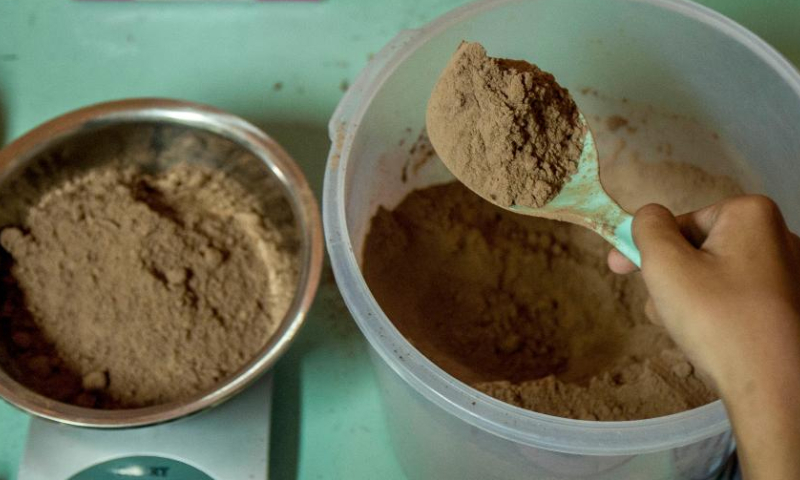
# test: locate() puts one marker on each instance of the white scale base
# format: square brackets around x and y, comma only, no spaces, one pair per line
[230,441]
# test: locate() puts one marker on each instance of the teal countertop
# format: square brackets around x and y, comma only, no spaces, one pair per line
[283,66]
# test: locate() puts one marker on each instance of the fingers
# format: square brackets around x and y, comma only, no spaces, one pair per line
[656,221]
[619,263]
[659,238]
[651,312]
[736,226]
[735,218]
[743,225]
[695,226]
[794,245]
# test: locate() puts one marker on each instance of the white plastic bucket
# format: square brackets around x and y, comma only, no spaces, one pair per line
[674,55]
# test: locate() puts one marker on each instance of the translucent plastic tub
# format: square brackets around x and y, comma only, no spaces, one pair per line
[673,56]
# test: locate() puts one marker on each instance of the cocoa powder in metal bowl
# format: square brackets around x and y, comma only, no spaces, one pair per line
[128,289]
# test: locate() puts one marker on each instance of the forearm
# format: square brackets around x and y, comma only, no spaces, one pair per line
[765,411]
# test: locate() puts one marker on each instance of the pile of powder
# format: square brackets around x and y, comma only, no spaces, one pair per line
[505,128]
[149,288]
[525,309]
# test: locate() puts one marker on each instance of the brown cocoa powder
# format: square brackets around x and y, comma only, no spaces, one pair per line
[138,289]
[504,127]
[525,309]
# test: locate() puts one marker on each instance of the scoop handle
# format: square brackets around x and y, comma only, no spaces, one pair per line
[622,239]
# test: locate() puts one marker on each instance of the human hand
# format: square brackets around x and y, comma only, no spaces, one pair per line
[725,282]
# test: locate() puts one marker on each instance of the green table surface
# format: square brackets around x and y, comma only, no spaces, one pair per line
[283,66]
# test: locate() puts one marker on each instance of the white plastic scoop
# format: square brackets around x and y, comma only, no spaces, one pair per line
[583,201]
[496,117]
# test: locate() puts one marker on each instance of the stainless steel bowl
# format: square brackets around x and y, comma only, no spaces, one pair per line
[106,132]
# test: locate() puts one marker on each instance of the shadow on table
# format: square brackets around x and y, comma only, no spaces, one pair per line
[308,145]
[285,432]
[324,367]
[3,121]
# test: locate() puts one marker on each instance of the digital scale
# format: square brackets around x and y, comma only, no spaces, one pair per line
[227,442]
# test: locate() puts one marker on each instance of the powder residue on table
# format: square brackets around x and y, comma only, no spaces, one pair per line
[525,309]
[149,288]
[504,127]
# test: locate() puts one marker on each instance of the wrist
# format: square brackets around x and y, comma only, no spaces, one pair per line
[769,383]
[760,356]
[764,415]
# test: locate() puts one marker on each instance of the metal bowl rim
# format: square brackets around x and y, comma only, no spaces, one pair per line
[299,194]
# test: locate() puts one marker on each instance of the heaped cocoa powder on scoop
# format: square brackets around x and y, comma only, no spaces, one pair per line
[505,128]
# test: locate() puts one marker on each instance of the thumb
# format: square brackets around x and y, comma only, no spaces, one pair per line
[658,236]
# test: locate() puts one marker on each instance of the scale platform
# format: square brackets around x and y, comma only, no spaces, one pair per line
[230,441]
